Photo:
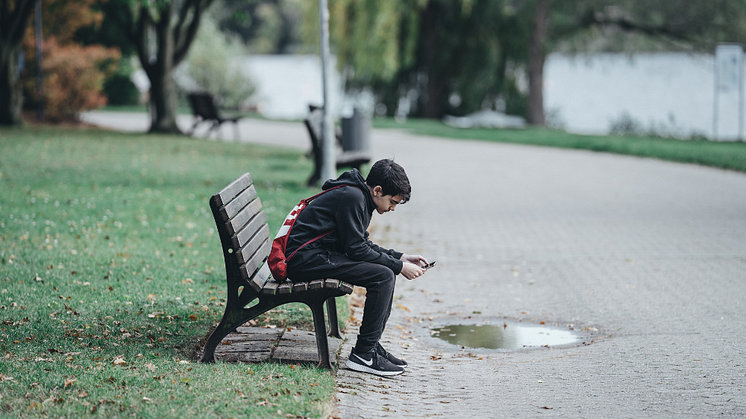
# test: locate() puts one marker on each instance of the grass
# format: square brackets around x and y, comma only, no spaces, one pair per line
[724,155]
[111,273]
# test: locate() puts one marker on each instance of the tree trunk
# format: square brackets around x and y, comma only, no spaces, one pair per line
[432,99]
[536,64]
[11,96]
[162,88]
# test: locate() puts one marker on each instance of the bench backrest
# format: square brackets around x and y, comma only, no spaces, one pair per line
[243,230]
[314,122]
[203,105]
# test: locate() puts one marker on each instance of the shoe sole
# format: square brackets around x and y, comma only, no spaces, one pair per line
[362,368]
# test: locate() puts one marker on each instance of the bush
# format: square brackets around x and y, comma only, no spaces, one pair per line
[73,78]
[213,65]
[119,88]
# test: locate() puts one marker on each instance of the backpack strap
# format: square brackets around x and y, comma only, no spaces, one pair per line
[321,236]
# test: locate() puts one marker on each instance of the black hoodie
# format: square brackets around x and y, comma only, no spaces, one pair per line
[348,211]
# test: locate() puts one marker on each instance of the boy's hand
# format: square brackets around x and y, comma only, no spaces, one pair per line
[411,271]
[415,259]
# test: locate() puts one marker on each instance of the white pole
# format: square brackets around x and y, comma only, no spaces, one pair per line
[329,166]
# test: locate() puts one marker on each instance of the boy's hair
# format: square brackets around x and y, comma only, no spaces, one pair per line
[390,176]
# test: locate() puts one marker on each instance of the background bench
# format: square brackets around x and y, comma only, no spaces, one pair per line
[204,109]
[344,158]
[244,234]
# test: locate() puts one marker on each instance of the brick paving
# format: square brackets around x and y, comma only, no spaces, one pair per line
[646,258]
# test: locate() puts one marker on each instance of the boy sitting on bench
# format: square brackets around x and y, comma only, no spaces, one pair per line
[347,253]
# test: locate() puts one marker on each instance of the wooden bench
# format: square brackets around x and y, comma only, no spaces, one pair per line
[205,110]
[244,234]
[344,158]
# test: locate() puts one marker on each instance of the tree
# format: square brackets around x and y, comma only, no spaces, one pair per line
[441,54]
[265,26]
[162,32]
[536,58]
[457,56]
[627,25]
[73,74]
[14,16]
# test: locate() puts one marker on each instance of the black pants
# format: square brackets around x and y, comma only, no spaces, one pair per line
[378,280]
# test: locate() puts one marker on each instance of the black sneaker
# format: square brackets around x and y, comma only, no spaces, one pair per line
[392,359]
[372,363]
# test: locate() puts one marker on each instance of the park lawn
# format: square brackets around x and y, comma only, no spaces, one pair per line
[111,273]
[724,155]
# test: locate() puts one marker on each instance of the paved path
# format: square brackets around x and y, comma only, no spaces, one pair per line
[647,258]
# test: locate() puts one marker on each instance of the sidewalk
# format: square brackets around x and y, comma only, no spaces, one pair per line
[646,257]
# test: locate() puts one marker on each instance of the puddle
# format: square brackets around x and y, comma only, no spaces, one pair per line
[514,336]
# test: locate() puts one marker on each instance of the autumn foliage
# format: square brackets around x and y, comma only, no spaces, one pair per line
[74,75]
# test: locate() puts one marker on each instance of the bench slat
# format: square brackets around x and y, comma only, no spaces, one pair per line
[253,226]
[249,268]
[240,220]
[270,287]
[245,253]
[235,187]
[300,286]
[347,288]
[232,208]
[260,278]
[285,288]
[331,283]
[316,284]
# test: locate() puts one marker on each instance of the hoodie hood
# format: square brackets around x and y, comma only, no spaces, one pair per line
[352,178]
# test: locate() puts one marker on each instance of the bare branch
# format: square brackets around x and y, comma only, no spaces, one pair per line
[184,41]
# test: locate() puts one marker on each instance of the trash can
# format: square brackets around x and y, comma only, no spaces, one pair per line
[355,132]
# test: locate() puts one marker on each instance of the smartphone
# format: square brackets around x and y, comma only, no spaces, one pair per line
[430,265]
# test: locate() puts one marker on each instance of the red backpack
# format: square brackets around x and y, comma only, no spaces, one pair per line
[278,262]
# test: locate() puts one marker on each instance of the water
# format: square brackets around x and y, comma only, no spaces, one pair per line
[512,336]
[671,92]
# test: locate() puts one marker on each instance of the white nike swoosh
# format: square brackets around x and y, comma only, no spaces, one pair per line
[368,363]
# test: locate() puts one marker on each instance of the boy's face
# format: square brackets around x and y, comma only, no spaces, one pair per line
[385,203]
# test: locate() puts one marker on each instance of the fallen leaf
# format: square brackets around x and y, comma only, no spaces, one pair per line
[119,361]
[82,395]
[403,308]
[69,382]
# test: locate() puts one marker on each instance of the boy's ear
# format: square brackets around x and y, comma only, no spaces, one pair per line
[378,190]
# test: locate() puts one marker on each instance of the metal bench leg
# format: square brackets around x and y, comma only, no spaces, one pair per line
[331,311]
[231,320]
[215,127]
[317,308]
[194,126]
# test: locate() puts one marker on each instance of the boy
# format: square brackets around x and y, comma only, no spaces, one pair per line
[347,254]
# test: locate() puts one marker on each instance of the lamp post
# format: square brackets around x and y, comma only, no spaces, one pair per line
[328,167]
[39,72]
